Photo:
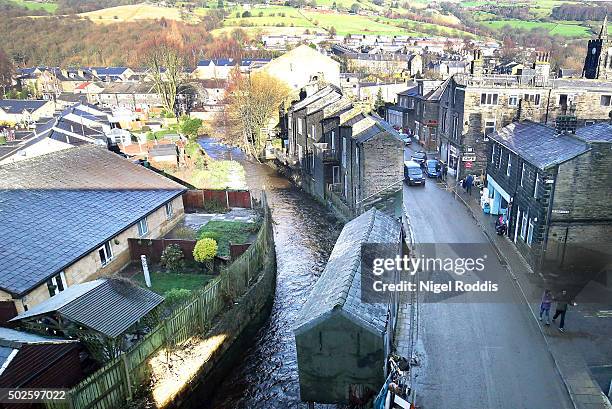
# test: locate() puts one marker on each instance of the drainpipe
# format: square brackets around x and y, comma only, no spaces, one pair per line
[547,106]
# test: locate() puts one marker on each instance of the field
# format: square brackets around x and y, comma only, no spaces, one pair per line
[562,29]
[35,5]
[132,13]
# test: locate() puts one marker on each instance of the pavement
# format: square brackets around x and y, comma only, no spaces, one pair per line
[497,355]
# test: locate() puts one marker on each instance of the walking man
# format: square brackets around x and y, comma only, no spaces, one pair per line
[469,181]
[561,309]
[444,171]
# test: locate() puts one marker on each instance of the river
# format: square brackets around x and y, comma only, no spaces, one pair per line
[305,233]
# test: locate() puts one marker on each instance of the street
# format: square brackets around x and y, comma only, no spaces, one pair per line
[476,355]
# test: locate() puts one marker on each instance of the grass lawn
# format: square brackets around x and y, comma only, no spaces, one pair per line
[162,282]
[34,5]
[132,12]
[225,232]
[563,29]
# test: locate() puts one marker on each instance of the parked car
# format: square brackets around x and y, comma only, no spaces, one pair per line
[413,174]
[419,157]
[406,138]
[431,168]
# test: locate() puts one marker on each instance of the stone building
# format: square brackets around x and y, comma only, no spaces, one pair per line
[341,152]
[554,187]
[71,217]
[598,60]
[474,105]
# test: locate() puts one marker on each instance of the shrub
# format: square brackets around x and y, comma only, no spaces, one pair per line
[173,259]
[2,140]
[246,14]
[176,297]
[205,250]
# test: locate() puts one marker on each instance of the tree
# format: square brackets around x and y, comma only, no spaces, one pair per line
[164,58]
[379,102]
[205,251]
[332,31]
[6,71]
[252,101]
[355,8]
[191,127]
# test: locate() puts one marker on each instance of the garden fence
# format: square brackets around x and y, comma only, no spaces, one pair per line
[114,384]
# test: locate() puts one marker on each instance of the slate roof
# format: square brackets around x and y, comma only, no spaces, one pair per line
[539,144]
[339,287]
[163,150]
[107,306]
[17,106]
[110,71]
[314,97]
[57,208]
[601,132]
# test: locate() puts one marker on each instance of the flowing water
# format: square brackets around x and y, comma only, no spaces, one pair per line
[266,376]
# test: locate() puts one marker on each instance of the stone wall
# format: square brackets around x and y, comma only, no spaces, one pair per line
[382,163]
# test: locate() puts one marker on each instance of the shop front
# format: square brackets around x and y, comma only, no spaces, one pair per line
[499,199]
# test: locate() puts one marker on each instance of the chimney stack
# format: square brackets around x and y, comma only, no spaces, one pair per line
[477,64]
[566,123]
[542,66]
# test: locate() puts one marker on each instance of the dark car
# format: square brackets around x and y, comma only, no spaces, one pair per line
[413,174]
[432,166]
[419,157]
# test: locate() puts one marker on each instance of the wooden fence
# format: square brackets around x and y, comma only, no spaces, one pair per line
[198,198]
[112,385]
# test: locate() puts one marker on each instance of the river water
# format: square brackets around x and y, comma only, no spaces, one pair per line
[305,233]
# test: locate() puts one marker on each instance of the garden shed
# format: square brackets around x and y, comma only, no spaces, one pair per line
[342,343]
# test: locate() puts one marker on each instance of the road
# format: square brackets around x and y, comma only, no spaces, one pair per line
[476,355]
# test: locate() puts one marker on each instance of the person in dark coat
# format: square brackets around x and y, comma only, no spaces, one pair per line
[563,301]
[469,182]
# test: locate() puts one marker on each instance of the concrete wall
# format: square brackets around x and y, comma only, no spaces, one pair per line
[335,354]
[90,266]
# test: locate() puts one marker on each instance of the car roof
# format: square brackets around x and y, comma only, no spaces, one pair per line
[411,163]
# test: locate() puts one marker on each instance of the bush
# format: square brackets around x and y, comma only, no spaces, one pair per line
[2,140]
[173,259]
[190,127]
[176,297]
[246,14]
[205,250]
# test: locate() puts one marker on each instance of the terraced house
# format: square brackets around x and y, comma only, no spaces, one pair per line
[472,106]
[67,217]
[554,187]
[343,154]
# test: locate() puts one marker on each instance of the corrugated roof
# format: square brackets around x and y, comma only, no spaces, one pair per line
[56,208]
[106,306]
[339,287]
[539,144]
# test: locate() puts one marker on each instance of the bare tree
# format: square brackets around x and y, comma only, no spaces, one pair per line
[166,61]
[6,72]
[252,102]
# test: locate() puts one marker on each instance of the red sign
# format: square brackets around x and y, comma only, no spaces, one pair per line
[468,165]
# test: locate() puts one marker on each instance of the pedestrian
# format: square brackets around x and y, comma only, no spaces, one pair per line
[469,181]
[444,171]
[561,309]
[545,305]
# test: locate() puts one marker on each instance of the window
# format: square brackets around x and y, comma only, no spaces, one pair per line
[522,173]
[524,225]
[492,153]
[530,233]
[589,123]
[344,152]
[488,99]
[444,120]
[509,165]
[336,175]
[169,210]
[605,100]
[299,124]
[312,131]
[533,98]
[513,100]
[535,187]
[357,157]
[456,127]
[57,284]
[499,158]
[562,99]
[106,253]
[143,226]
[333,140]
[489,128]
[289,120]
